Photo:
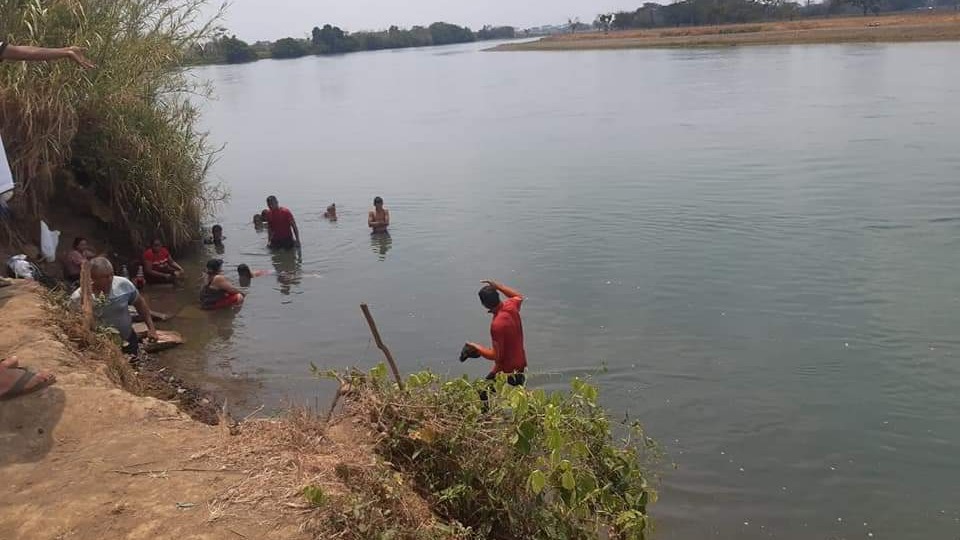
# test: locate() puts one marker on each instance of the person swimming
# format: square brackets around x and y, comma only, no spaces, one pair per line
[331,212]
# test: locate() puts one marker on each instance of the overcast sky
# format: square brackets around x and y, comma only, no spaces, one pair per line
[253,20]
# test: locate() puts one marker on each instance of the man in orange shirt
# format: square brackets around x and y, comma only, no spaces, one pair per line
[506,332]
[282,230]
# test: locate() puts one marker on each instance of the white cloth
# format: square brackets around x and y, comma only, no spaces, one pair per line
[6,177]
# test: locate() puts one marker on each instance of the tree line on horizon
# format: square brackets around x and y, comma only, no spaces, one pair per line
[707,12]
[331,39]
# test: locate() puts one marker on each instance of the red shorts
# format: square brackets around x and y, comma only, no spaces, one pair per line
[227,301]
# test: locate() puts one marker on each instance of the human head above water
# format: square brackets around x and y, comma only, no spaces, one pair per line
[214,266]
[217,232]
[244,271]
[272,202]
[378,201]
[489,297]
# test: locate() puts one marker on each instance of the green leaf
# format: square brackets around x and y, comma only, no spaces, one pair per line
[567,481]
[314,495]
[537,481]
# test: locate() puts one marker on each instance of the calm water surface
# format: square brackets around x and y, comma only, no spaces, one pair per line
[760,244]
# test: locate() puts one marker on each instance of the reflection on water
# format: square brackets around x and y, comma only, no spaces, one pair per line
[381,244]
[287,265]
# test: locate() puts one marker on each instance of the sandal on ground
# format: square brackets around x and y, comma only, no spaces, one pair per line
[21,388]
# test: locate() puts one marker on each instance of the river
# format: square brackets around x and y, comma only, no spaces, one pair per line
[752,250]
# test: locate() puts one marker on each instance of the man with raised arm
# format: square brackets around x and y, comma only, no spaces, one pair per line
[506,332]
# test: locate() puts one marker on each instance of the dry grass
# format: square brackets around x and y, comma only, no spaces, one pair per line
[126,127]
[362,496]
[96,346]
[889,28]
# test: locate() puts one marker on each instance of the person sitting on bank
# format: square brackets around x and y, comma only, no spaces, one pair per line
[159,266]
[80,254]
[282,228]
[218,292]
[331,212]
[379,217]
[112,298]
[506,331]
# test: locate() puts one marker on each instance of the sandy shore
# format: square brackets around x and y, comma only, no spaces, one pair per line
[888,28]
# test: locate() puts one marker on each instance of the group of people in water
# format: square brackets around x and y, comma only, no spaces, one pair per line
[114,295]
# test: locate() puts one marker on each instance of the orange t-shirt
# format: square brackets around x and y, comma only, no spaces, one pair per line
[506,331]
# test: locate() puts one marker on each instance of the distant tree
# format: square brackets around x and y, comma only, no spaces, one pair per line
[236,51]
[496,32]
[603,22]
[444,34]
[867,5]
[288,48]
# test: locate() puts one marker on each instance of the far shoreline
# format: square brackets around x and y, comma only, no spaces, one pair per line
[893,28]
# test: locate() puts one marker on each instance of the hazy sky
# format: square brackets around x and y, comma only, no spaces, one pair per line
[253,20]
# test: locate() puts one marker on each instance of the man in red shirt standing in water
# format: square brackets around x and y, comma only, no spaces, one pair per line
[506,331]
[281,227]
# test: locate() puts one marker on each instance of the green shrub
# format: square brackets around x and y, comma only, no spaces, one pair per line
[528,464]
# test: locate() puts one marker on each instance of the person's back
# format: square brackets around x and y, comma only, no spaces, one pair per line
[506,330]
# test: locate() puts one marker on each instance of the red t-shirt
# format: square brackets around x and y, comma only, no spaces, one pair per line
[157,259]
[280,222]
[506,331]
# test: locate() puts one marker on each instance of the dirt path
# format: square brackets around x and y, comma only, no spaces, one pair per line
[86,460]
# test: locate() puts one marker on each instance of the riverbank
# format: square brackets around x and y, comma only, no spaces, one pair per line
[86,459]
[889,28]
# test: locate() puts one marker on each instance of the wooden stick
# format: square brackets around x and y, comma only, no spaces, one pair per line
[380,345]
[86,296]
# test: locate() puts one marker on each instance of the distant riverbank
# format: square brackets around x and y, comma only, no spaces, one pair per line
[891,28]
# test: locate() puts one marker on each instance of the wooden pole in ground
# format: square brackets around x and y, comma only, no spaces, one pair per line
[86,295]
[380,345]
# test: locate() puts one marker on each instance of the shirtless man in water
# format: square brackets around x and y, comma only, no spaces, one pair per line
[379,217]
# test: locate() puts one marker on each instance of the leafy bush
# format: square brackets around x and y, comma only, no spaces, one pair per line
[288,48]
[527,464]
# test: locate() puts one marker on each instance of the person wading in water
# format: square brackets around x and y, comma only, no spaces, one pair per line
[217,291]
[281,226]
[379,217]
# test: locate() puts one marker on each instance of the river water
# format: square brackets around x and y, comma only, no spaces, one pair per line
[753,250]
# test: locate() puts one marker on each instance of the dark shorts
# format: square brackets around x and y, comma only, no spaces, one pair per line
[514,379]
[168,275]
[283,243]
[133,345]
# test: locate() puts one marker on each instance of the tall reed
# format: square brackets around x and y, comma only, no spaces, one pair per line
[127,129]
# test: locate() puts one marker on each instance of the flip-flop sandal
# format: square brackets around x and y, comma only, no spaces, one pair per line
[19,388]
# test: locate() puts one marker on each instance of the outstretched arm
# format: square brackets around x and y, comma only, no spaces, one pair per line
[45,54]
[506,291]
[144,310]
[296,231]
